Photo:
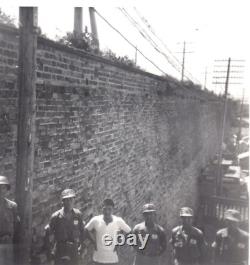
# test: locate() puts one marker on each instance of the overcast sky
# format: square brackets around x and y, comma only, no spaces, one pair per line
[212,29]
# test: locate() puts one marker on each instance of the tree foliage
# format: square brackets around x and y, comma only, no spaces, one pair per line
[120,59]
[86,42]
[6,19]
[81,41]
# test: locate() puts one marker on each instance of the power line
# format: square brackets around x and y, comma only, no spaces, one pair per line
[145,21]
[146,36]
[116,30]
[153,32]
[155,45]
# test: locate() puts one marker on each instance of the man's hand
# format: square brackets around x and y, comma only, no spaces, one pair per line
[51,256]
[84,253]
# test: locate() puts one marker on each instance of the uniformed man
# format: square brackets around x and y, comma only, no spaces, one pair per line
[187,241]
[67,228]
[154,235]
[231,243]
[9,221]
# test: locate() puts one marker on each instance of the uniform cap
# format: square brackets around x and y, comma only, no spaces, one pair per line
[4,181]
[232,215]
[148,208]
[68,193]
[186,211]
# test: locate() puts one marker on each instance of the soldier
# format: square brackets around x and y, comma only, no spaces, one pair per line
[155,236]
[187,241]
[231,243]
[9,221]
[106,226]
[67,228]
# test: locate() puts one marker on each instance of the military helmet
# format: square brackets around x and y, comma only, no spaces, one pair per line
[232,215]
[68,193]
[148,208]
[4,181]
[186,211]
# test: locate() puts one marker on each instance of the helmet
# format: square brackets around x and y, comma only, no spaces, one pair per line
[4,181]
[232,215]
[148,208]
[68,193]
[186,211]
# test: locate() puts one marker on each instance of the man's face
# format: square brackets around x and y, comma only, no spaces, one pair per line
[187,220]
[149,217]
[68,203]
[232,224]
[3,190]
[107,210]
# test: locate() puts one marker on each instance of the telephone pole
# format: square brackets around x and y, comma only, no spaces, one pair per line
[136,52]
[183,61]
[26,128]
[184,52]
[219,176]
[205,79]
[240,125]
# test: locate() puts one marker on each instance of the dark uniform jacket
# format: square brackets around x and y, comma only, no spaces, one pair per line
[68,234]
[188,245]
[156,243]
[231,247]
[9,222]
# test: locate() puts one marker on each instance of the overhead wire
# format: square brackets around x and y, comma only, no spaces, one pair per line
[145,21]
[135,47]
[148,38]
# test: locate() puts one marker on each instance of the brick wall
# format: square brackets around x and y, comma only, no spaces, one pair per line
[107,130]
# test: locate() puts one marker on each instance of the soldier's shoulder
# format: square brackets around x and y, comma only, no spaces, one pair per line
[175,229]
[56,214]
[77,212]
[11,204]
[160,228]
[243,233]
[221,231]
[139,226]
[197,231]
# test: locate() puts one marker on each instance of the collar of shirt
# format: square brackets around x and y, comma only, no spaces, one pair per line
[107,223]
[62,213]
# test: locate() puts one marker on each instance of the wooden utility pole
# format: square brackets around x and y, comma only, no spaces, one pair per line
[240,125]
[219,175]
[205,79]
[183,61]
[26,127]
[136,51]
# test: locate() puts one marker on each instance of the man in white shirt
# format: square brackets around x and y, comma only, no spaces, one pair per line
[105,228]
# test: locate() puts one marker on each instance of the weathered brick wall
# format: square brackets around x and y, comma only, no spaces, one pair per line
[107,131]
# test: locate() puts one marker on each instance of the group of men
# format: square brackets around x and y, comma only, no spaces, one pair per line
[66,233]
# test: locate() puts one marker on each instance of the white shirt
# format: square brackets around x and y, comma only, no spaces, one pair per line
[104,253]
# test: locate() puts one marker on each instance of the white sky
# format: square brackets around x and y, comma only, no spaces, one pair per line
[213,29]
